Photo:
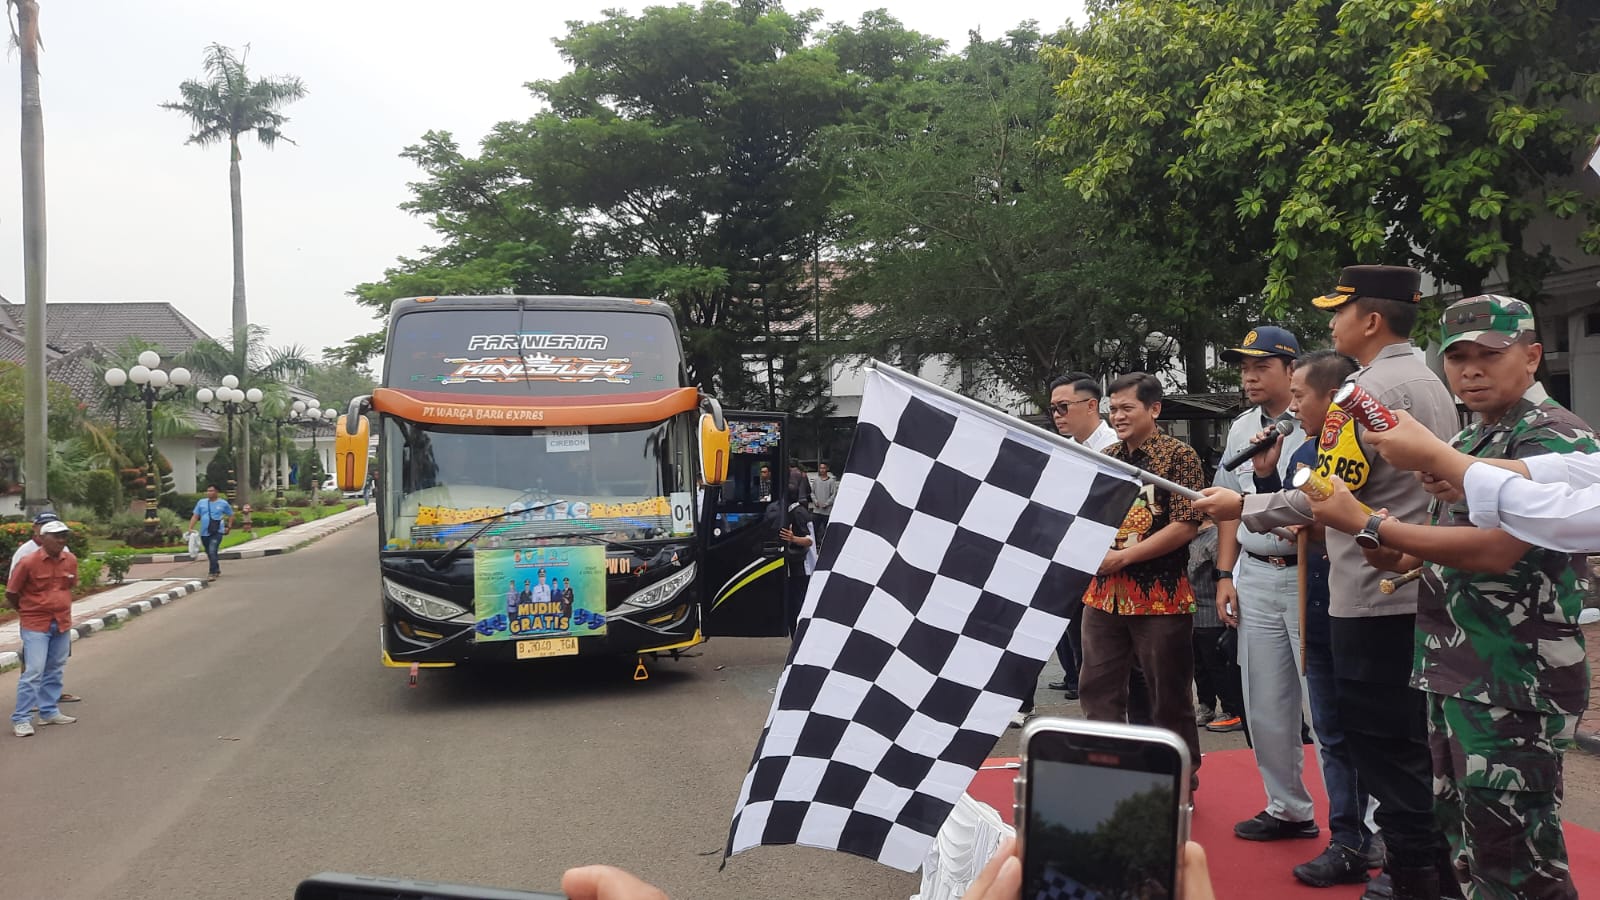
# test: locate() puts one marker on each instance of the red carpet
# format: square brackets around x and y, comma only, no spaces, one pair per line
[1230,791]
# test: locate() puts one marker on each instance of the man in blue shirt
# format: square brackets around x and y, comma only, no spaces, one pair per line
[213,514]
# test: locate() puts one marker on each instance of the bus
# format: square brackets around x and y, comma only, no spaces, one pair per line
[550,484]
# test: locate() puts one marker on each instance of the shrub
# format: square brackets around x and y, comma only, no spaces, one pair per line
[102,490]
[132,529]
[118,562]
[180,503]
[267,518]
[15,534]
[88,575]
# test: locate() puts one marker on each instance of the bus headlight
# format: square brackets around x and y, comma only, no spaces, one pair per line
[425,605]
[656,594]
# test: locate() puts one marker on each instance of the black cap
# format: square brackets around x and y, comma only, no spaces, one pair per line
[1401,283]
[1265,340]
[44,517]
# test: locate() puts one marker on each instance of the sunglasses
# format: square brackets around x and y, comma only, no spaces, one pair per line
[1062,409]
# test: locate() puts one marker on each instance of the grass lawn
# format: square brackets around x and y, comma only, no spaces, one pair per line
[233,538]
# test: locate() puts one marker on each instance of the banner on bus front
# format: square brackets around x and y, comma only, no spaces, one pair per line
[540,592]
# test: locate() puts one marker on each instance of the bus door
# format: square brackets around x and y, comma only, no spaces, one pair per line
[744,578]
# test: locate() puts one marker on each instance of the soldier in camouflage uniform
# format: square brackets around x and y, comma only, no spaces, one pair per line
[1499,652]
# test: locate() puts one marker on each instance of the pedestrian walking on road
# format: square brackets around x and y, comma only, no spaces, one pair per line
[214,516]
[28,548]
[40,590]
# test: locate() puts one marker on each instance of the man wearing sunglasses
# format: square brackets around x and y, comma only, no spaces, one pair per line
[1498,651]
[1075,411]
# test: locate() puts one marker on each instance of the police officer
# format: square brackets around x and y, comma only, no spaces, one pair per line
[1257,577]
[1501,656]
[1385,719]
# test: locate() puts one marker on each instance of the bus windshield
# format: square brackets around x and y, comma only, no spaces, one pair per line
[617,483]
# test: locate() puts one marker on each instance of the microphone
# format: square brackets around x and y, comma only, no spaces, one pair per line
[1279,429]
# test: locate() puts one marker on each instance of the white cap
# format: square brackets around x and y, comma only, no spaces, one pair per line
[56,527]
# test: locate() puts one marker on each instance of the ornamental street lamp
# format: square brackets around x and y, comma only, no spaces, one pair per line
[230,401]
[151,384]
[313,417]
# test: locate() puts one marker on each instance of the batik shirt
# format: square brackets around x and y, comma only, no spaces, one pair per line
[1510,640]
[1160,586]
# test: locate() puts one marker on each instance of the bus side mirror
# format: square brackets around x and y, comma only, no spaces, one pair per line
[714,444]
[350,449]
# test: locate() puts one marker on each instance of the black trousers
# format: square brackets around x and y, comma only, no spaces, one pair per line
[1216,676]
[1070,648]
[1386,725]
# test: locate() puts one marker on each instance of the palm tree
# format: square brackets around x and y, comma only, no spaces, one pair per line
[256,366]
[222,107]
[23,17]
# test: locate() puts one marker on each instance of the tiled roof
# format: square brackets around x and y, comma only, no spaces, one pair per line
[71,324]
[12,347]
[80,372]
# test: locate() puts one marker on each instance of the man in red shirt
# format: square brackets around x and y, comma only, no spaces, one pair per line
[40,590]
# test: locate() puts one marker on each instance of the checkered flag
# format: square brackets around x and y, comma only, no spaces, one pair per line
[958,537]
[1056,886]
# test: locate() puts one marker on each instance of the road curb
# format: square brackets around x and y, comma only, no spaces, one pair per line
[10,659]
[314,532]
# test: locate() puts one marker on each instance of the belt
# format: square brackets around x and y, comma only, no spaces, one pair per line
[1277,562]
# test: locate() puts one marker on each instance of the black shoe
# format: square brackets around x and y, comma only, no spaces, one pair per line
[1337,865]
[1376,852]
[1379,888]
[1268,827]
[1070,694]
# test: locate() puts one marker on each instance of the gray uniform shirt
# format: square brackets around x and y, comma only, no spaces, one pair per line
[1399,380]
[1243,480]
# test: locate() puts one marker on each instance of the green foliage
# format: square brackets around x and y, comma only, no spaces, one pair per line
[219,471]
[335,384]
[15,534]
[103,492]
[229,103]
[89,569]
[309,472]
[118,562]
[963,241]
[180,503]
[64,417]
[1369,130]
[133,530]
[713,196]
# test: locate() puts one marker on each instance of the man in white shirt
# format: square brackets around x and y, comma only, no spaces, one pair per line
[1550,501]
[824,487]
[28,548]
[1075,411]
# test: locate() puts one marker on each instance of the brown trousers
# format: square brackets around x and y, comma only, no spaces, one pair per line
[1163,647]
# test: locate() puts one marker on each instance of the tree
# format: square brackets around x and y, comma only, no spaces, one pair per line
[336,385]
[1369,130]
[256,366]
[23,17]
[224,106]
[711,195]
[963,242]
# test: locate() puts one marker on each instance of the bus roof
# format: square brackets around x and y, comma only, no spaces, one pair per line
[529,301]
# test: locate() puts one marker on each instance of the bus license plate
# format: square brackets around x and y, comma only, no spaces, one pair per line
[562,646]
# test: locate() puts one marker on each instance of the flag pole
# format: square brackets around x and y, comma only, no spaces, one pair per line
[1011,421]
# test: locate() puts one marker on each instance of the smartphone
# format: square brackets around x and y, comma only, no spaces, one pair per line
[1102,809]
[337,886]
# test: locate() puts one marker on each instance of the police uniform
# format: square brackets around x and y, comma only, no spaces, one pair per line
[1267,579]
[1502,659]
[1372,633]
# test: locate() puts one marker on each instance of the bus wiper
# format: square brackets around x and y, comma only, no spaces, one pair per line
[488,520]
[560,535]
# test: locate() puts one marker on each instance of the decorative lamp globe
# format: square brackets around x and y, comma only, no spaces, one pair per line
[204,395]
[230,381]
[149,359]
[139,374]
[116,377]
[181,377]
[253,395]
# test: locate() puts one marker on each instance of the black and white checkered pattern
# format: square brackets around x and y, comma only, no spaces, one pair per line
[956,543]
[1055,886]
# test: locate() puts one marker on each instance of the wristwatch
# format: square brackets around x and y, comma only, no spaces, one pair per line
[1219,574]
[1368,537]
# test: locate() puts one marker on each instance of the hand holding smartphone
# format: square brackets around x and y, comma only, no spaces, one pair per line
[1102,809]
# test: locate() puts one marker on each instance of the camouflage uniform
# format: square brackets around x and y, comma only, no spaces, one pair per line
[1502,660]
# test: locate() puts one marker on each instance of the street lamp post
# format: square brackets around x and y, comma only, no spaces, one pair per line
[153,385]
[231,402]
[312,416]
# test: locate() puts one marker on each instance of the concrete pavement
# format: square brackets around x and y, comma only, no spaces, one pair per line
[232,747]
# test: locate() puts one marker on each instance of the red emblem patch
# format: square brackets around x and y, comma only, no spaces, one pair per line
[1331,426]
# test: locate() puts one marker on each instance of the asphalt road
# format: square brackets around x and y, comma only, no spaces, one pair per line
[247,737]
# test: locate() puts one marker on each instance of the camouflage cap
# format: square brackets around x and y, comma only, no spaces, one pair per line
[1490,319]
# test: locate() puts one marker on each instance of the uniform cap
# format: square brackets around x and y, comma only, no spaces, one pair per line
[1490,319]
[1401,283]
[44,517]
[1266,340]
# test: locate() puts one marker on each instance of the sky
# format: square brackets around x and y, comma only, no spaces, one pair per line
[135,214]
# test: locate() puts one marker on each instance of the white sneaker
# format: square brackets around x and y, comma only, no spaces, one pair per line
[1019,719]
[22,729]
[58,718]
